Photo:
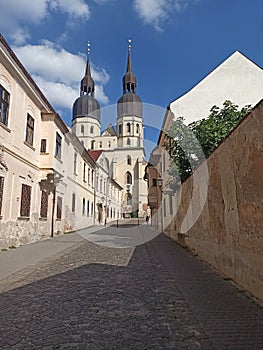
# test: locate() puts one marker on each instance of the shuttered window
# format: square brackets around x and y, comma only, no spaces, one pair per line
[30,130]
[44,204]
[43,146]
[25,201]
[59,208]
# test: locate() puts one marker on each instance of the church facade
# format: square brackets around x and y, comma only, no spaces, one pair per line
[123,146]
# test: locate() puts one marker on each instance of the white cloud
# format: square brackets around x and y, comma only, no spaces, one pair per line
[17,15]
[19,36]
[59,94]
[155,12]
[76,8]
[59,72]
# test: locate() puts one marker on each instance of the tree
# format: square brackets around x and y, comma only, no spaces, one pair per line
[188,146]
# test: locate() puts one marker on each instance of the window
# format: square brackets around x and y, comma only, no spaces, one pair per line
[4,105]
[101,185]
[92,178]
[83,206]
[100,144]
[58,145]
[43,146]
[129,199]
[75,163]
[120,129]
[128,127]
[2,179]
[44,204]
[88,208]
[128,178]
[109,144]
[82,129]
[129,160]
[92,129]
[128,141]
[92,145]
[137,128]
[89,176]
[154,183]
[73,204]
[59,208]
[29,130]
[84,172]
[25,201]
[91,212]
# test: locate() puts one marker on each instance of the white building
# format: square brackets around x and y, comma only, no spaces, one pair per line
[237,79]
[49,183]
[123,146]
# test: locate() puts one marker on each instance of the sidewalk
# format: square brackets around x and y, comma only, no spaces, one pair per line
[17,259]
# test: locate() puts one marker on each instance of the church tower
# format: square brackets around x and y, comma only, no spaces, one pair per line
[129,111]
[86,110]
[129,154]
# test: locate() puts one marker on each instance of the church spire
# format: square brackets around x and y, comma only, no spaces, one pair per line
[87,83]
[129,79]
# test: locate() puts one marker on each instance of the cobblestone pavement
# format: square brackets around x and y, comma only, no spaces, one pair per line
[157,296]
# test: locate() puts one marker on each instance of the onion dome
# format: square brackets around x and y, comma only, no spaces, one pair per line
[86,105]
[129,103]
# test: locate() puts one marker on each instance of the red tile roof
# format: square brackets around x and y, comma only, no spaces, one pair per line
[95,154]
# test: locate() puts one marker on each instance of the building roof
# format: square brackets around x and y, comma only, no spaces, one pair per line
[86,105]
[237,79]
[110,131]
[95,154]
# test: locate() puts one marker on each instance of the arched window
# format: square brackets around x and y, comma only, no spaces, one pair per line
[100,144]
[82,129]
[92,145]
[109,144]
[137,128]
[128,178]
[92,129]
[128,141]
[120,129]
[129,160]
[128,127]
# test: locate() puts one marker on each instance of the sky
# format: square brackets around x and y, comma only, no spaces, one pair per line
[175,44]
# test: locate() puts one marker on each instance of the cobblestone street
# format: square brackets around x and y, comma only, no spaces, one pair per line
[154,296]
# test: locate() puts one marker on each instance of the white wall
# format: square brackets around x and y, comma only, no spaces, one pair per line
[237,79]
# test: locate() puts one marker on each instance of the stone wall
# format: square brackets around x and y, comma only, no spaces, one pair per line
[229,231]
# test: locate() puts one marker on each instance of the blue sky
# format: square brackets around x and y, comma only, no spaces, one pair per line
[175,44]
